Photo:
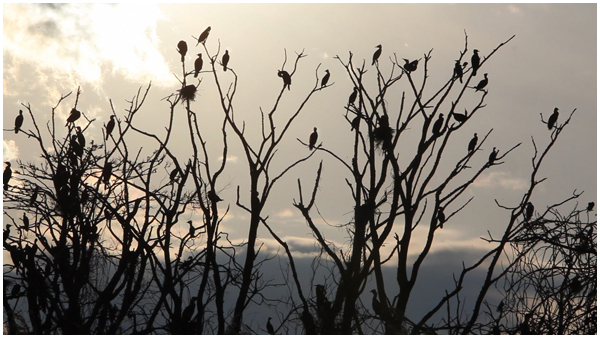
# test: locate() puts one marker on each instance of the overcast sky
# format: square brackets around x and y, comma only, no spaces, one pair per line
[112,50]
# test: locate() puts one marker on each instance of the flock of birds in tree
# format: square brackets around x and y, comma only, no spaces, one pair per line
[383,132]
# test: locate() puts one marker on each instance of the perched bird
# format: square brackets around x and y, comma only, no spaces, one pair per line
[76,148]
[202,38]
[482,83]
[575,285]
[188,312]
[198,65]
[441,218]
[500,307]
[473,143]
[192,230]
[174,173]
[552,119]
[475,61]
[182,49]
[355,123]
[25,222]
[18,121]
[33,196]
[287,79]
[458,71]
[528,211]
[110,126]
[225,60]
[106,172]
[7,175]
[75,114]
[313,139]
[80,137]
[213,197]
[377,54]
[377,307]
[325,78]
[437,126]
[590,206]
[460,117]
[492,156]
[410,66]
[352,97]
[270,328]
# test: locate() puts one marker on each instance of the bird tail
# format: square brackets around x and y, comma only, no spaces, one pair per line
[474,72]
[224,68]
[16,130]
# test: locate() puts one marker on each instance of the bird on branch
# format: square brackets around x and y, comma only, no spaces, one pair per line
[441,218]
[106,172]
[80,137]
[202,38]
[352,97]
[475,61]
[437,126]
[460,117]
[270,328]
[482,83]
[198,65]
[410,66]
[73,116]
[377,54]
[325,78]
[552,119]
[287,79]
[473,143]
[225,60]
[458,71]
[213,197]
[492,156]
[528,211]
[313,139]
[590,206]
[18,121]
[7,175]
[110,126]
[182,49]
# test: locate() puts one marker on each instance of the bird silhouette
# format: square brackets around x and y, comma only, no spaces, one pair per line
[355,123]
[198,65]
[528,211]
[492,156]
[33,196]
[313,139]
[75,147]
[225,60]
[482,83]
[287,79]
[325,78]
[500,307]
[106,172]
[174,173]
[590,206]
[377,306]
[552,119]
[18,121]
[458,71]
[110,126]
[473,143]
[80,137]
[25,222]
[377,54]
[410,66]
[475,61]
[73,116]
[460,117]
[188,312]
[192,230]
[7,175]
[213,197]
[270,328]
[182,49]
[441,218]
[437,126]
[202,38]
[352,97]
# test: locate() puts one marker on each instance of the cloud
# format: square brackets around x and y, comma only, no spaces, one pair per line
[73,44]
[10,151]
[500,179]
[285,213]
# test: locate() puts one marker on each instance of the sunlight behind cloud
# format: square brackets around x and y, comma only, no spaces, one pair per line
[78,43]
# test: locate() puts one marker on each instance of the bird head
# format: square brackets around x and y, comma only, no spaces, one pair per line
[485,75]
[475,51]
[441,115]
[556,110]
[374,292]
[327,71]
[8,163]
[378,46]
[406,60]
[314,129]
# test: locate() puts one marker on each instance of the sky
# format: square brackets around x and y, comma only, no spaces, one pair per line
[113,50]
